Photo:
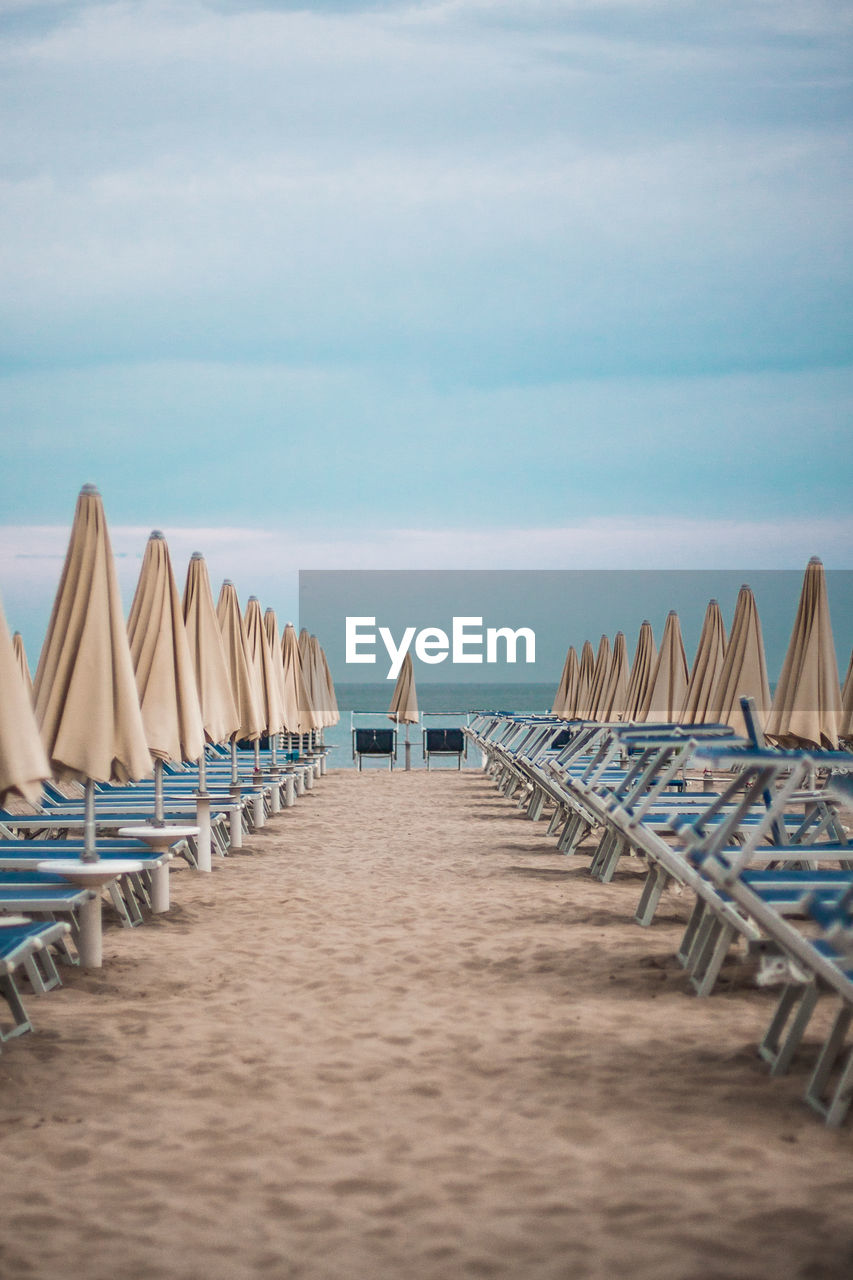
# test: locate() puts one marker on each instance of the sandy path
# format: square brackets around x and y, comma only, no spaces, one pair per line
[398,1036]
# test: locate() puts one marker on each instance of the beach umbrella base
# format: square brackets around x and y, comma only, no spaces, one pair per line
[90,875]
[202,813]
[159,840]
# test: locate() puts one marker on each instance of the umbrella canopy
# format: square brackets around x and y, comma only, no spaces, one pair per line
[404,700]
[845,729]
[21,658]
[806,707]
[706,668]
[566,697]
[297,702]
[330,689]
[665,695]
[86,702]
[642,669]
[241,668]
[314,710]
[566,693]
[318,683]
[586,669]
[161,658]
[744,670]
[598,684]
[266,676]
[274,642]
[616,690]
[213,683]
[23,763]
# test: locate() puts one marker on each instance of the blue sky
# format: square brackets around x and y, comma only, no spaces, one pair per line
[479,283]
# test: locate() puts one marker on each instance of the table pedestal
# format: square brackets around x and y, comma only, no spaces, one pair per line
[90,875]
[159,840]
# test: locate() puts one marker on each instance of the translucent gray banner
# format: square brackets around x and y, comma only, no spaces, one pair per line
[514,626]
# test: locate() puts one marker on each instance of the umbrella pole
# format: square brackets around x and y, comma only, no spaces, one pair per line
[158,793]
[202,812]
[408,765]
[90,852]
[234,775]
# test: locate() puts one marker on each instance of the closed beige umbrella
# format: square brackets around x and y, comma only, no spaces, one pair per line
[165,677]
[616,689]
[598,684]
[274,642]
[404,702]
[213,682]
[241,669]
[706,668]
[586,669]
[296,697]
[309,676]
[24,666]
[845,729]
[566,697]
[23,763]
[167,691]
[806,707]
[642,669]
[318,683]
[665,695]
[86,701]
[266,677]
[330,689]
[744,670]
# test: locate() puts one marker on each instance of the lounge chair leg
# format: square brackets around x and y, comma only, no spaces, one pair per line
[618,846]
[683,953]
[573,837]
[836,1108]
[656,881]
[778,1047]
[537,804]
[556,818]
[711,958]
[10,992]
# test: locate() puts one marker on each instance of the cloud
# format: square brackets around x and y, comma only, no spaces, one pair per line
[266,563]
[427,185]
[473,264]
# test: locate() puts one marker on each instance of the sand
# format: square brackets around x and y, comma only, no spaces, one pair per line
[398,1036]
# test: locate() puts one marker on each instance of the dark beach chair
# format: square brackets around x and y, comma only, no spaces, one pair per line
[443,742]
[374,742]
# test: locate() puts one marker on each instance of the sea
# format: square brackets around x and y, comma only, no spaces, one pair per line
[440,705]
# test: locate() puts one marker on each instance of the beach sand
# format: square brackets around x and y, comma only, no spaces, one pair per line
[398,1036]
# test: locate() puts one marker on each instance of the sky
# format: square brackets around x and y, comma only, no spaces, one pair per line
[467,284]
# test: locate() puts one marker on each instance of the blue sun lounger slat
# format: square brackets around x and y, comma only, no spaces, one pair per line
[128,892]
[48,896]
[26,946]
